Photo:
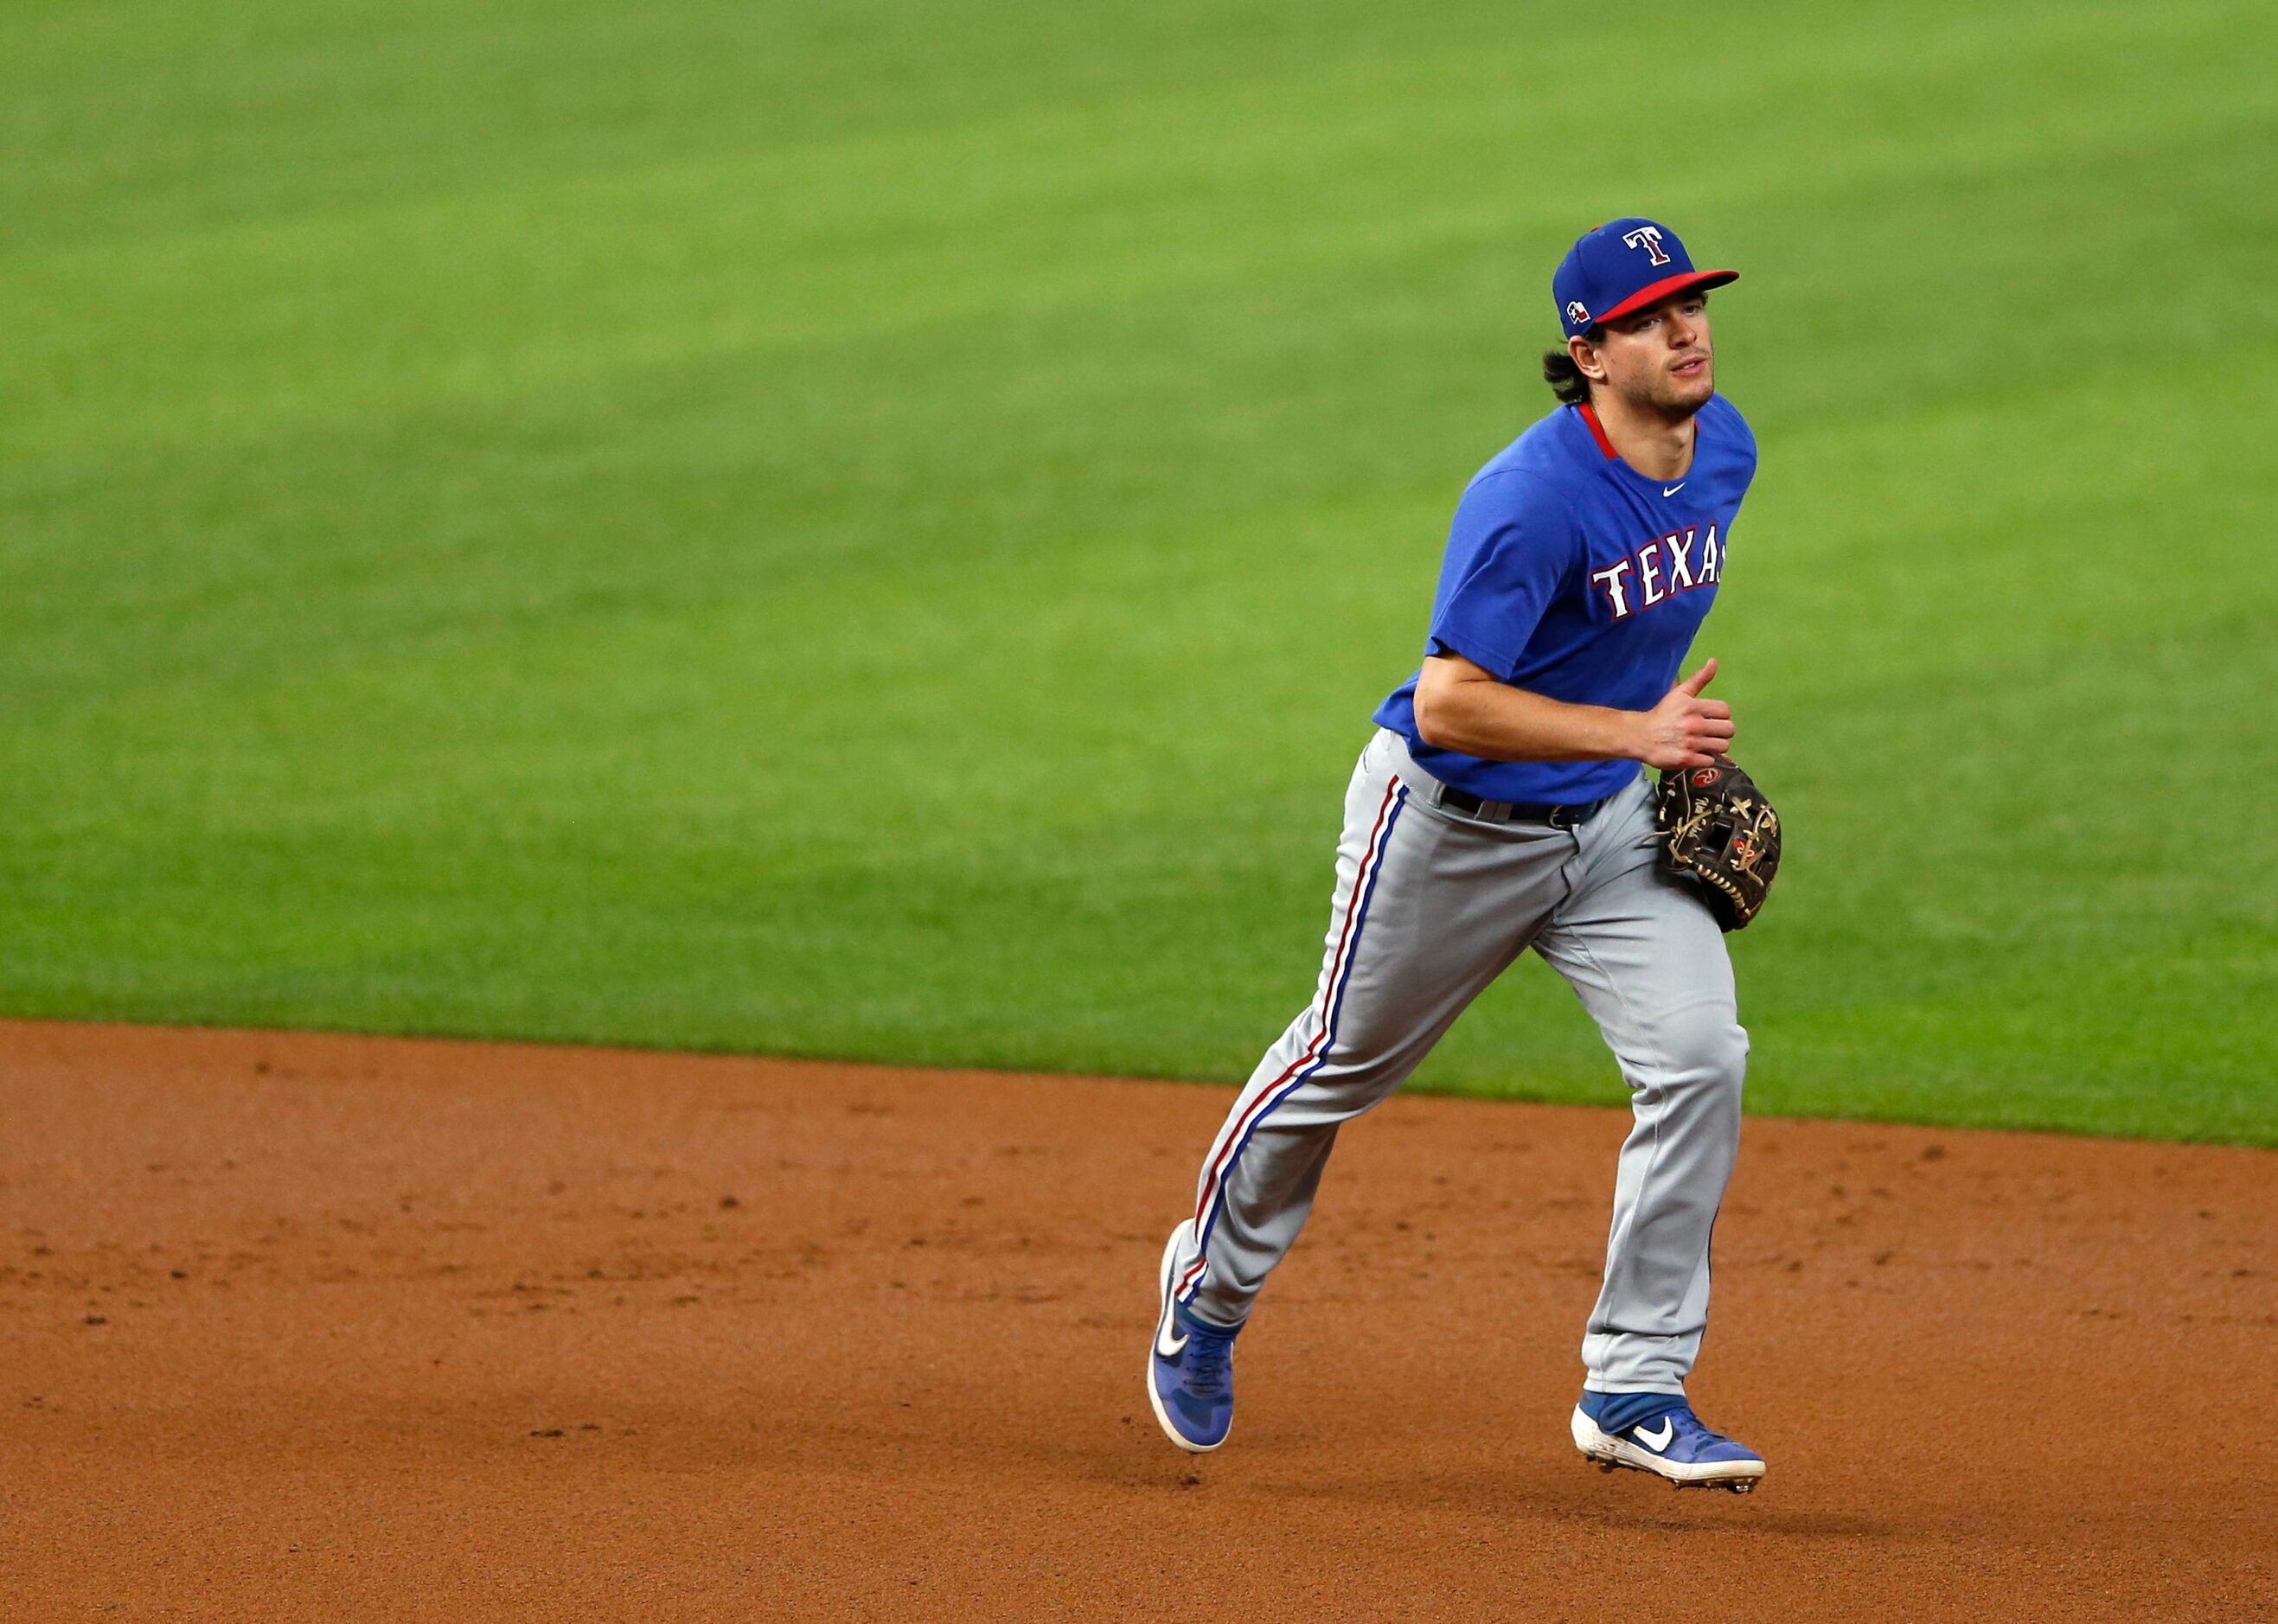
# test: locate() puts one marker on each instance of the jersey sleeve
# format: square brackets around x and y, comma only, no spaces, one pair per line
[1744,437]
[1512,543]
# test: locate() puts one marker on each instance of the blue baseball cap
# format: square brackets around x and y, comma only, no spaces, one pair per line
[1623,266]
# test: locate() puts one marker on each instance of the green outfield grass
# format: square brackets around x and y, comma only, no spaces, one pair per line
[874,530]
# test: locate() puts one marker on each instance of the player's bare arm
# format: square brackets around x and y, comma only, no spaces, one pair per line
[1461,706]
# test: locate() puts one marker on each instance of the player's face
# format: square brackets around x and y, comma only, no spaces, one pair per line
[1660,357]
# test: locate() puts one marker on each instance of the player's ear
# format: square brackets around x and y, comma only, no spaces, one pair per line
[1586,358]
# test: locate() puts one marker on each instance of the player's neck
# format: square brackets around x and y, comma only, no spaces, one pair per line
[1657,446]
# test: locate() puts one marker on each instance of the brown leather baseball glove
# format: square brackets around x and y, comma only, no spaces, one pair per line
[1717,828]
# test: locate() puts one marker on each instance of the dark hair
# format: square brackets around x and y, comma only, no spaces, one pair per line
[1564,377]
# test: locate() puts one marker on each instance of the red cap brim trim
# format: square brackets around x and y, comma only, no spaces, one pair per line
[1662,289]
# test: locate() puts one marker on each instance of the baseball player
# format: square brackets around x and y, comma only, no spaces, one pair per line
[1500,806]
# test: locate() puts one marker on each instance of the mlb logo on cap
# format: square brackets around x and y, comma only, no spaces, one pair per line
[1624,266]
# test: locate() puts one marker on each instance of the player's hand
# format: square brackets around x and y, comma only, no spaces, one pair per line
[1684,730]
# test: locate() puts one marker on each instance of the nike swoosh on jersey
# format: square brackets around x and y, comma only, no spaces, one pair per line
[1656,1444]
[1672,490]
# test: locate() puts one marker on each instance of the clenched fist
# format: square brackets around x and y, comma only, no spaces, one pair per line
[1684,730]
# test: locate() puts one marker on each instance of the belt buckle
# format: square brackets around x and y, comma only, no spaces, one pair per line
[1562,817]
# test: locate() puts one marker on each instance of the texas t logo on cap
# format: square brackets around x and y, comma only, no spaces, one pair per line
[1605,275]
[1648,238]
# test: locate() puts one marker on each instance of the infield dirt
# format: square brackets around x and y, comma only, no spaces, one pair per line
[314,1327]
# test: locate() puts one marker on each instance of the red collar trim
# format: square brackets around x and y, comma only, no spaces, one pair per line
[1598,432]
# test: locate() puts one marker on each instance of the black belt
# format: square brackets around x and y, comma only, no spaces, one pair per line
[1518,811]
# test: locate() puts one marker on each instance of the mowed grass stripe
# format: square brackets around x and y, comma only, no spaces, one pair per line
[488,291]
[1077,835]
[708,474]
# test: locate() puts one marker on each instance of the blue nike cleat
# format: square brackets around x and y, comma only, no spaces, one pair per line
[1190,1369]
[1659,1433]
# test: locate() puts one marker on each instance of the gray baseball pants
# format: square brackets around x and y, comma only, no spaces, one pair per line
[1431,905]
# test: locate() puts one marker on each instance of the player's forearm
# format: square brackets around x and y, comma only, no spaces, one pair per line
[1497,722]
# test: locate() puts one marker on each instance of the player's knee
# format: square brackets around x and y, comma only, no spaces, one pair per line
[1708,1054]
[1370,1060]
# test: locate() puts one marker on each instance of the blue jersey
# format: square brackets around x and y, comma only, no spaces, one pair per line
[1573,576]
